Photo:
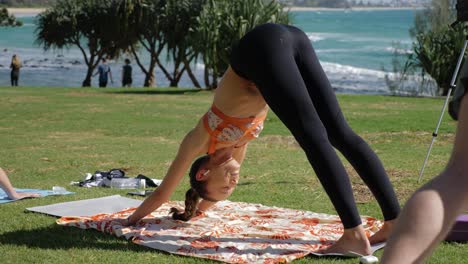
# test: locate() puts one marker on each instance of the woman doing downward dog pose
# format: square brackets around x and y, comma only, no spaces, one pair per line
[275,66]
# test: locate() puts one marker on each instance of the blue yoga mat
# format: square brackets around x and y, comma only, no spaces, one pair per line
[4,197]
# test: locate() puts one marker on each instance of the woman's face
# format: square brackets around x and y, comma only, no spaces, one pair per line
[221,179]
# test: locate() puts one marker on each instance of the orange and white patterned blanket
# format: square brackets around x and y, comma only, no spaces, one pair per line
[231,232]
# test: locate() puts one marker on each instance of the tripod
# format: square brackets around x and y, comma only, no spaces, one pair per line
[452,86]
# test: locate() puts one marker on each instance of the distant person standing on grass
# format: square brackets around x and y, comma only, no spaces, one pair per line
[105,73]
[15,69]
[127,74]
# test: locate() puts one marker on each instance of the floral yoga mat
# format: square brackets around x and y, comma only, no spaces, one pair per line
[231,232]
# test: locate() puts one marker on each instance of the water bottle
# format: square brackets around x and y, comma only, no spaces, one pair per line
[59,190]
[128,183]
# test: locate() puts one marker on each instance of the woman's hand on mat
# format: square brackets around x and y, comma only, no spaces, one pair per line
[128,221]
[123,222]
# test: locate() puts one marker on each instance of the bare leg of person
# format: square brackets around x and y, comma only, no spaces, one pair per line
[430,213]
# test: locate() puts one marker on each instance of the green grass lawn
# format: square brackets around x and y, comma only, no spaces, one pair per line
[51,136]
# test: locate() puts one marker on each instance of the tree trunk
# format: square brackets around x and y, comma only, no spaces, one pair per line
[179,76]
[165,71]
[191,75]
[207,77]
[174,78]
[215,81]
[150,80]
[142,67]
[87,80]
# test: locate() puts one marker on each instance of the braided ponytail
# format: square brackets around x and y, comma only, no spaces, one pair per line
[191,202]
[194,194]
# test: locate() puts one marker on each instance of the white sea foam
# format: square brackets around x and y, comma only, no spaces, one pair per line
[402,51]
[350,38]
[314,37]
[349,79]
[318,36]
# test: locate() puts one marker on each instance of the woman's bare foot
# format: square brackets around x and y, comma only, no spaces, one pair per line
[353,240]
[17,196]
[383,234]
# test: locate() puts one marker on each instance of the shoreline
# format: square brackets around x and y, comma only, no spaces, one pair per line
[300,8]
[24,11]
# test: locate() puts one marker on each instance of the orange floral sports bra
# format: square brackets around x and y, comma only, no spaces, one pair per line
[230,130]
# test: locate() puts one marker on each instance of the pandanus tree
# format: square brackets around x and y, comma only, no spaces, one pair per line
[7,20]
[436,54]
[182,29]
[149,38]
[97,28]
[179,19]
[222,23]
[436,45]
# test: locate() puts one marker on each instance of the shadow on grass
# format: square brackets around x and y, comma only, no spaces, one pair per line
[158,91]
[59,237]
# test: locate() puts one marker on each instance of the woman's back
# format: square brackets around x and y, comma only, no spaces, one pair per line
[237,97]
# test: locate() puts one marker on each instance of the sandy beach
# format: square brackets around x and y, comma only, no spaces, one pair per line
[25,11]
[298,8]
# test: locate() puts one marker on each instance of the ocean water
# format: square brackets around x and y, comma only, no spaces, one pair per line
[354,48]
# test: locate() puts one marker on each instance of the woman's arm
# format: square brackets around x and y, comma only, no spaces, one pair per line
[193,145]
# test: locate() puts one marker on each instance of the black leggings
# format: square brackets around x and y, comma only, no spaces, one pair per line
[14,78]
[280,60]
